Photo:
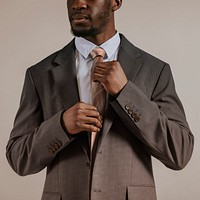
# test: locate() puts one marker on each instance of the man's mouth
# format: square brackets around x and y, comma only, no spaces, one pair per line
[79,18]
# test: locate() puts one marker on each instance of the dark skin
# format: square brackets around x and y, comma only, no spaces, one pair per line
[94,20]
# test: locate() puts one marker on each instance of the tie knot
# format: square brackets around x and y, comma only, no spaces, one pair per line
[98,51]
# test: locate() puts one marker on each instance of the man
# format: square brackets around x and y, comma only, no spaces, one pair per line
[56,122]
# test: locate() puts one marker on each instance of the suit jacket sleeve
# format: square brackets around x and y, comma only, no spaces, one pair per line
[158,122]
[33,143]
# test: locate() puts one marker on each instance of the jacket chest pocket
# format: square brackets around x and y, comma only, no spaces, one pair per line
[141,192]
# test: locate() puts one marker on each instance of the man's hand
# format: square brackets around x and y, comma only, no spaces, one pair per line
[110,75]
[82,117]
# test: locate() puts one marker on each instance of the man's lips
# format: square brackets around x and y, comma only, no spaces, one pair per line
[79,18]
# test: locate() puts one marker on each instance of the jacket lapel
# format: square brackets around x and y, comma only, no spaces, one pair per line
[64,75]
[128,57]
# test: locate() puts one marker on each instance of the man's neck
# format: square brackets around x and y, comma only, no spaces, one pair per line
[100,38]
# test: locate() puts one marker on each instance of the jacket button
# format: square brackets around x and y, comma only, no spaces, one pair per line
[50,151]
[127,107]
[56,146]
[59,143]
[136,119]
[53,148]
[130,111]
[133,115]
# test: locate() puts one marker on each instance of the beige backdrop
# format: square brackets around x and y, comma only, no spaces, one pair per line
[32,29]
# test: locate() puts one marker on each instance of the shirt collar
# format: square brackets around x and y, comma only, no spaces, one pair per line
[84,46]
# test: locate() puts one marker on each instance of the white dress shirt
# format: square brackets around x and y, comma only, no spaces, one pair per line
[84,62]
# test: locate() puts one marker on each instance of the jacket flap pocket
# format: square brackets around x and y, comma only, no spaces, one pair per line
[51,196]
[141,192]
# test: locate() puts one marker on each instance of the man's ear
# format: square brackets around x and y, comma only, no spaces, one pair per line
[116,4]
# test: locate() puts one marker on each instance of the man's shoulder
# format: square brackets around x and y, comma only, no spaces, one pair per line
[141,54]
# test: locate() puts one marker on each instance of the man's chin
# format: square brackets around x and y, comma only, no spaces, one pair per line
[84,32]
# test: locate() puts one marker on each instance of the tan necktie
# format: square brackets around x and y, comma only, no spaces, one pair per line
[98,92]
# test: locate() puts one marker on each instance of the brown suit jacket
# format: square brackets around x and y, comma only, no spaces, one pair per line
[146,119]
